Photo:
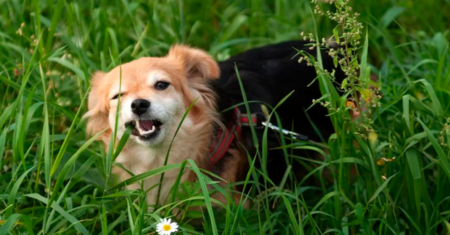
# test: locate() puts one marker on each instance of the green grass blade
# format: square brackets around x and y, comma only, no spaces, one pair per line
[13,193]
[444,162]
[296,224]
[70,163]
[205,191]
[9,224]
[66,142]
[380,189]
[146,175]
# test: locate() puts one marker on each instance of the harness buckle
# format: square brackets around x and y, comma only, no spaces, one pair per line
[257,119]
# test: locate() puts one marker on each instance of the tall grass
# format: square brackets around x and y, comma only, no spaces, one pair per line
[54,180]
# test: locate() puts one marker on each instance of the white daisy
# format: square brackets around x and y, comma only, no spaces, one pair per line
[166,227]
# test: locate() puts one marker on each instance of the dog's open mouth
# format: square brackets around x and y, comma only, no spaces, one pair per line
[145,129]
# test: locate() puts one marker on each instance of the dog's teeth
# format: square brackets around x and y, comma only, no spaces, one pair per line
[142,132]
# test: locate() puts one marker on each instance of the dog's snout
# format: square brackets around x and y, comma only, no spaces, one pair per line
[140,106]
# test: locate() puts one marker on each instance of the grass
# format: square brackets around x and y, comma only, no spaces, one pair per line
[54,180]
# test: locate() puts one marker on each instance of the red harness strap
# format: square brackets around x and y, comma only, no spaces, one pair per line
[226,137]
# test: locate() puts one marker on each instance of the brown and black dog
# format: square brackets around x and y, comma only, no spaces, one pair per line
[155,93]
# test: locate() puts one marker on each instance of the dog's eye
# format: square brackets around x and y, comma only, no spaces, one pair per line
[117,96]
[161,85]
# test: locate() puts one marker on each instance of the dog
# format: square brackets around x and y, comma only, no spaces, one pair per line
[151,96]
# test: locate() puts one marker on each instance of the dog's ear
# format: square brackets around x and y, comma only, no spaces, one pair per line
[198,67]
[97,106]
[197,63]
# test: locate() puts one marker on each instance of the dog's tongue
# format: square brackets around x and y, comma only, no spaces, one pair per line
[146,125]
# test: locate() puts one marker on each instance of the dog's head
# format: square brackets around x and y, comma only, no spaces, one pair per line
[151,95]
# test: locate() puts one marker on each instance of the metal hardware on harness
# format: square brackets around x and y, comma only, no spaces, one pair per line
[256,119]
[225,137]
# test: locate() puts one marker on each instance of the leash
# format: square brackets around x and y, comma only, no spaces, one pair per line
[224,138]
[294,135]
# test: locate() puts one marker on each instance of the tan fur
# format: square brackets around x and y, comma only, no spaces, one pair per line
[188,70]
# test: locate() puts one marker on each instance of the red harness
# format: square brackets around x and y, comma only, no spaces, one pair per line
[224,138]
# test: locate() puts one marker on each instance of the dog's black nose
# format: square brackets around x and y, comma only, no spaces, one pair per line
[140,106]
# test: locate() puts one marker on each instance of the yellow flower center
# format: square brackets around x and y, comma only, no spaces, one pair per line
[167,227]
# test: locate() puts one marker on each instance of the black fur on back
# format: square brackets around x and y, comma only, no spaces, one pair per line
[269,74]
